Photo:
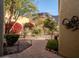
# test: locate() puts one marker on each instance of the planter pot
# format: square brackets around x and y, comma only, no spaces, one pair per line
[11,39]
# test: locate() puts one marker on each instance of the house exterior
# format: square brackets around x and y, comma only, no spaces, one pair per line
[69,40]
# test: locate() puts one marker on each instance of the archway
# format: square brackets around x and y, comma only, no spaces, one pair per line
[2,26]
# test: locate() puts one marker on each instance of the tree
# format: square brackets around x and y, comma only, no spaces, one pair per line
[17,8]
[28,27]
[39,20]
[51,25]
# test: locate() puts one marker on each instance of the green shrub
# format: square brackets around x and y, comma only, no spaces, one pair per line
[11,39]
[52,44]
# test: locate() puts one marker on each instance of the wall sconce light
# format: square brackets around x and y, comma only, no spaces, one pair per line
[72,23]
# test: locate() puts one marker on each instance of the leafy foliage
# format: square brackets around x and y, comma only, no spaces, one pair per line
[36,31]
[17,8]
[11,39]
[50,24]
[15,29]
[52,44]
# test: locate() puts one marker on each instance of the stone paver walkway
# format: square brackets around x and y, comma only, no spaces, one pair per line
[37,50]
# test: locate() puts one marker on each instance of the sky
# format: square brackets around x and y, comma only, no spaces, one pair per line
[50,6]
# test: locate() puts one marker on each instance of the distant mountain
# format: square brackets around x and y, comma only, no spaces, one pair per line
[45,14]
[56,18]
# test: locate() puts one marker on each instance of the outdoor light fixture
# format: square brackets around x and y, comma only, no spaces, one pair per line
[72,23]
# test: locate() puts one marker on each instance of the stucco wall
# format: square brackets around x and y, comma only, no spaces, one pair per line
[69,40]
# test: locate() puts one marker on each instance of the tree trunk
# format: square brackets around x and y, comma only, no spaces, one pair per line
[1,27]
[44,30]
[51,36]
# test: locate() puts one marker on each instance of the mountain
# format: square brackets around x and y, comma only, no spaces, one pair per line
[45,15]
[56,18]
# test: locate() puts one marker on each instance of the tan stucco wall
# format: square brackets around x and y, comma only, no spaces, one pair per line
[69,40]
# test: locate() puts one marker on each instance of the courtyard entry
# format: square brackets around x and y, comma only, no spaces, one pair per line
[26,26]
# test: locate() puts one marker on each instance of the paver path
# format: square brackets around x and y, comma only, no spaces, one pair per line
[37,50]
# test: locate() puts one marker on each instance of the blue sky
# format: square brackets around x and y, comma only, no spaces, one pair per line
[50,6]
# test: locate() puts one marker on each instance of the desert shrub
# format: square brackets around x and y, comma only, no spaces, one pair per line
[52,44]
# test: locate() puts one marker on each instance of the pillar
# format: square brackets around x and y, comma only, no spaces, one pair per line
[1,27]
[69,40]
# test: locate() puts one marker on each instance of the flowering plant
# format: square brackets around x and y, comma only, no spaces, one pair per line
[13,28]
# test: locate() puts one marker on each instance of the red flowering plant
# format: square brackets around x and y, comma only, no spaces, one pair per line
[12,31]
[13,28]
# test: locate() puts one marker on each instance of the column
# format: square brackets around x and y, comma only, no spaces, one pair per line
[69,40]
[1,27]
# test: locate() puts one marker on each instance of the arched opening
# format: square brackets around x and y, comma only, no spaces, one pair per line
[46,11]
